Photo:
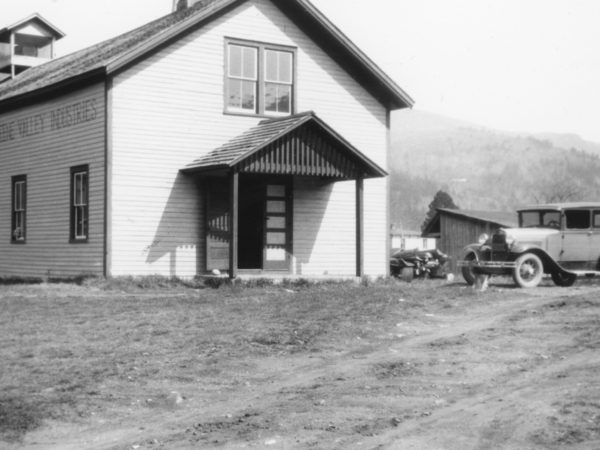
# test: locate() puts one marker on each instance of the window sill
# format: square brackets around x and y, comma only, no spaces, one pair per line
[255,115]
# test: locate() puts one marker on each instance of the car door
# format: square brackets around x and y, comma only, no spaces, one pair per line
[576,239]
[595,240]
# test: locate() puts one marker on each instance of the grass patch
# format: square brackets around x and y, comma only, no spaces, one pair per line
[70,350]
[17,417]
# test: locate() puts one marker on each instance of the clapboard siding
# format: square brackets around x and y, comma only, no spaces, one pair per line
[46,159]
[167,110]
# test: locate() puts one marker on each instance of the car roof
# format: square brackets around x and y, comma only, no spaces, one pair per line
[560,206]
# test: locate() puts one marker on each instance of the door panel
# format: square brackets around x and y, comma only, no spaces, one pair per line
[277,227]
[576,239]
[595,241]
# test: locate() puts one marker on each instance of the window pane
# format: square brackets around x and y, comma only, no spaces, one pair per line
[235,61]
[275,254]
[275,238]
[275,190]
[271,97]
[84,188]
[18,196]
[275,222]
[77,189]
[242,94]
[235,94]
[248,95]
[271,66]
[596,219]
[285,67]
[278,66]
[276,206]
[249,63]
[278,98]
[284,102]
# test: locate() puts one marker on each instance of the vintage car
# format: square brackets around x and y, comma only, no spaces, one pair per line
[561,239]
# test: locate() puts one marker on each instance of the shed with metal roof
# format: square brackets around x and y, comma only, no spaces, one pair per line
[456,228]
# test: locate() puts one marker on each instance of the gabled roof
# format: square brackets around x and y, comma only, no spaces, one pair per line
[296,145]
[499,218]
[52,29]
[115,54]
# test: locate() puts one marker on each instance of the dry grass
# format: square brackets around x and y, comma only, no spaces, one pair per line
[70,350]
[331,364]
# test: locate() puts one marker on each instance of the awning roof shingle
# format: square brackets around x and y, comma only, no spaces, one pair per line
[301,144]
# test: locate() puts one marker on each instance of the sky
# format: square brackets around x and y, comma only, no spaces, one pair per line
[518,65]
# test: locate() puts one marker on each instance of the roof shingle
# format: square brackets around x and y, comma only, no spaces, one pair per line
[97,56]
[112,54]
[300,144]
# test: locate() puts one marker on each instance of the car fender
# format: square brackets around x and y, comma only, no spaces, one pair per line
[476,249]
[550,264]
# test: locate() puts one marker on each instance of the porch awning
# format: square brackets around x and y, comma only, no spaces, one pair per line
[295,145]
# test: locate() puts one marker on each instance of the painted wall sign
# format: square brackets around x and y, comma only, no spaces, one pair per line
[55,119]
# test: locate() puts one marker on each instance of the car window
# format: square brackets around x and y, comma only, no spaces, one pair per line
[551,219]
[596,221]
[548,219]
[529,219]
[577,219]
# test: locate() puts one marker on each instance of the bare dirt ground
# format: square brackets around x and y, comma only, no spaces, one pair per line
[429,366]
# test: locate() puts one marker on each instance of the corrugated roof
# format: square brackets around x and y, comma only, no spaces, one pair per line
[301,144]
[502,218]
[113,54]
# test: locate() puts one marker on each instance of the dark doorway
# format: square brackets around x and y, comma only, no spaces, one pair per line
[250,223]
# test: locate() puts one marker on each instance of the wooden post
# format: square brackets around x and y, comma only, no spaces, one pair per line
[12,55]
[359,226]
[234,182]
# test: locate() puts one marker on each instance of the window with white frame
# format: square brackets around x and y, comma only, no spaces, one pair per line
[260,79]
[79,203]
[19,203]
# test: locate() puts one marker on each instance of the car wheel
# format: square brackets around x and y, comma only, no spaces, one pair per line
[407,274]
[563,279]
[467,269]
[528,271]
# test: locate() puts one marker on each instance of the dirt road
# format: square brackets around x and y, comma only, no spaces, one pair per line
[504,369]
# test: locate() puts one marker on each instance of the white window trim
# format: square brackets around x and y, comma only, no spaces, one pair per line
[261,81]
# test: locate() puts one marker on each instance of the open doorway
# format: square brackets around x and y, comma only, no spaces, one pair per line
[250,223]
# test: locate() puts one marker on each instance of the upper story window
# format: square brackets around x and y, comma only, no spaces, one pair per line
[260,79]
[79,203]
[19,204]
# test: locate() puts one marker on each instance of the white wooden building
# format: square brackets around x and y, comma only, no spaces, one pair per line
[239,135]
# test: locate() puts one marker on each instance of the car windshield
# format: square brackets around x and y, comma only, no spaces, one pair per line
[541,219]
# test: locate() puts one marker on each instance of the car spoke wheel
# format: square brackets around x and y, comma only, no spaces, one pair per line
[467,269]
[563,279]
[528,271]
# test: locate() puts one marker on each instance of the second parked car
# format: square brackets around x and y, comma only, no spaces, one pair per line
[561,239]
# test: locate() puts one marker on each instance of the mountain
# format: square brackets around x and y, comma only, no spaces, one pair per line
[482,168]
